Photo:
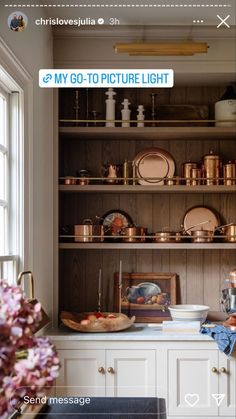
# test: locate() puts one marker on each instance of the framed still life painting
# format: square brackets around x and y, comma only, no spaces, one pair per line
[146,296]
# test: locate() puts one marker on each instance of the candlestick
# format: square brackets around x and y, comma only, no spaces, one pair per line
[125,112]
[153,114]
[76,107]
[87,106]
[140,116]
[120,274]
[120,285]
[99,289]
[110,107]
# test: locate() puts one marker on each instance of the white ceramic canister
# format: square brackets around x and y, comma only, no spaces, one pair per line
[225,110]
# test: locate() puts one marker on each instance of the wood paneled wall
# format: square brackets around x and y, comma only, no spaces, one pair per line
[169,96]
[201,274]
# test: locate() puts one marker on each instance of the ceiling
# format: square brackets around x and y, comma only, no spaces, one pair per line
[144,12]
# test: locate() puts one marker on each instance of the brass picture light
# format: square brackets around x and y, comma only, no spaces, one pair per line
[161,48]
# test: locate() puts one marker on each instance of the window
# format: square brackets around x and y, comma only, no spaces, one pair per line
[4,172]
[10,183]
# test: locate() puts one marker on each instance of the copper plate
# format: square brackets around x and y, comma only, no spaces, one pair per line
[198,215]
[154,163]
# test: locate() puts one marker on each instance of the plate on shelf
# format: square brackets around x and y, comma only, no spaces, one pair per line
[115,221]
[197,215]
[154,163]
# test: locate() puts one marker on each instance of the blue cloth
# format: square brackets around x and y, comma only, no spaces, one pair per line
[224,337]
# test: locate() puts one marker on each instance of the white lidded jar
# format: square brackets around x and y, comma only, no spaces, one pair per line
[225,108]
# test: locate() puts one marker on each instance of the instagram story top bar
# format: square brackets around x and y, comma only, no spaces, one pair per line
[138,12]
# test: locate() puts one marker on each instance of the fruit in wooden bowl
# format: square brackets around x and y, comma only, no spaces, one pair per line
[96,321]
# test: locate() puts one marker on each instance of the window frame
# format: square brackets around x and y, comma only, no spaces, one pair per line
[5,150]
[16,79]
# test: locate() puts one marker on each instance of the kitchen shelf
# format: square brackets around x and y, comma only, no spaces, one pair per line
[148,133]
[147,189]
[145,246]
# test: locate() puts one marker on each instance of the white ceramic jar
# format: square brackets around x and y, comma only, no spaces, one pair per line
[225,110]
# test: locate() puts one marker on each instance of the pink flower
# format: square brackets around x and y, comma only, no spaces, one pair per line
[28,364]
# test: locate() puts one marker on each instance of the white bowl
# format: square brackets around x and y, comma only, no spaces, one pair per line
[188,312]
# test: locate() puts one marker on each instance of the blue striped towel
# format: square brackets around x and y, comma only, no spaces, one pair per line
[225,338]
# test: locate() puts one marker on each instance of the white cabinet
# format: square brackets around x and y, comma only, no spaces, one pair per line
[192,378]
[185,374]
[79,374]
[195,377]
[97,373]
[227,385]
[132,373]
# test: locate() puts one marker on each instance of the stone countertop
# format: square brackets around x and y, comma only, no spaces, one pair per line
[137,332]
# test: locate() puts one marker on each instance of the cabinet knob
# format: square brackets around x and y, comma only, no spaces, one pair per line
[223,369]
[110,370]
[214,369]
[101,370]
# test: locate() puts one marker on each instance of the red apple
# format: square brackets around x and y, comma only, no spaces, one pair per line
[98,315]
[140,300]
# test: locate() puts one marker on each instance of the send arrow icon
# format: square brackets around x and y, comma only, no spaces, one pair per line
[218,398]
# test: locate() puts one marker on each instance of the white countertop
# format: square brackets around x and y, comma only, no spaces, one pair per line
[137,332]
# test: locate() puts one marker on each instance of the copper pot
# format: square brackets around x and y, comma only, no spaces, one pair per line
[229,170]
[134,234]
[69,180]
[212,168]
[88,232]
[202,236]
[167,237]
[186,171]
[229,231]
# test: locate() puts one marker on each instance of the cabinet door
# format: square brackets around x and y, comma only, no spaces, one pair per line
[79,375]
[191,382]
[227,381]
[130,373]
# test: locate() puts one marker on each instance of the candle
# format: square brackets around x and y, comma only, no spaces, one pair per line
[120,274]
[100,281]
[120,285]
[99,289]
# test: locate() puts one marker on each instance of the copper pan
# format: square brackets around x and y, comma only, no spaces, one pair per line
[229,232]
[134,234]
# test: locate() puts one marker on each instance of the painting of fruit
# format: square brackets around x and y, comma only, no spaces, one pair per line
[145,295]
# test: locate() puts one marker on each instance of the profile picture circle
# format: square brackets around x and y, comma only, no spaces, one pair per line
[17,21]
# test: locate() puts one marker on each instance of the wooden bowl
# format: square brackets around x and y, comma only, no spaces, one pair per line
[101,325]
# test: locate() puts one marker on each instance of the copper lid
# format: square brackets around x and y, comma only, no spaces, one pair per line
[211,156]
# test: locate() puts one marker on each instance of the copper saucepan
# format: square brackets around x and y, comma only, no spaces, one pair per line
[88,232]
[167,236]
[134,234]
[229,231]
[202,236]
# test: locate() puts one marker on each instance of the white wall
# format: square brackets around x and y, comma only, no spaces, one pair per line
[93,48]
[33,48]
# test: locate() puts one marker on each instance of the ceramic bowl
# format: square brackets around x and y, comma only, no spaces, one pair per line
[188,312]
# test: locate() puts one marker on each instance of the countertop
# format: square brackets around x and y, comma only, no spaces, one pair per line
[137,332]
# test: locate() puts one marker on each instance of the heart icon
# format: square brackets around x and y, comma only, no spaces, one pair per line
[191,399]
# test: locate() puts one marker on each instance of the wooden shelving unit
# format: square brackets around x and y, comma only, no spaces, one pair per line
[148,133]
[201,267]
[119,189]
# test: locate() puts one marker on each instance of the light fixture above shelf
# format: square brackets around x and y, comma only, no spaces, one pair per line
[186,48]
